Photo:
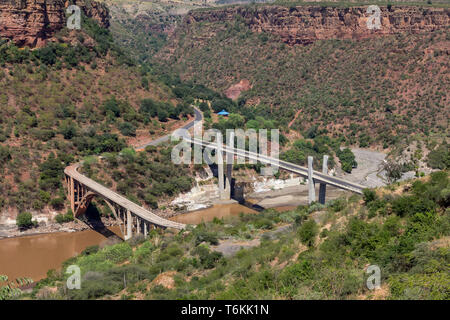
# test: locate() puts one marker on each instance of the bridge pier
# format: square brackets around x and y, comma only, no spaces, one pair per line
[224,186]
[129,224]
[220,175]
[323,186]
[72,195]
[311,184]
[229,169]
[138,225]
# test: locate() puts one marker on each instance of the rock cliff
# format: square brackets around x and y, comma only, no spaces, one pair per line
[305,24]
[33,22]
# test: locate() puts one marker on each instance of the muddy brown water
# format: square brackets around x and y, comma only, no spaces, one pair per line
[208,214]
[32,256]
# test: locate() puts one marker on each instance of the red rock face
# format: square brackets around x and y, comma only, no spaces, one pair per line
[305,24]
[235,90]
[33,22]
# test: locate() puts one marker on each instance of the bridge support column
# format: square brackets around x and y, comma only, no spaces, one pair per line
[311,189]
[145,229]
[323,186]
[229,169]
[220,171]
[72,195]
[138,225]
[129,224]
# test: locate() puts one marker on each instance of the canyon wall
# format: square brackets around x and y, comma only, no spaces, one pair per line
[33,22]
[306,24]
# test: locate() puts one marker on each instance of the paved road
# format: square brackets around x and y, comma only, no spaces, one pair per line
[198,117]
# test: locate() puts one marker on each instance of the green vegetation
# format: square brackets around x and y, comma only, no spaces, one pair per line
[66,101]
[347,159]
[24,220]
[317,146]
[352,90]
[62,218]
[10,289]
[438,158]
[143,177]
[312,252]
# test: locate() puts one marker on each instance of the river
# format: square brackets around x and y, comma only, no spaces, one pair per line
[32,256]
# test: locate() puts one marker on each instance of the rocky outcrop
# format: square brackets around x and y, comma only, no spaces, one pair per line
[306,24]
[33,22]
[235,90]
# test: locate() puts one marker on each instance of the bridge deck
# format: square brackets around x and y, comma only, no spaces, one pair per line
[120,200]
[303,171]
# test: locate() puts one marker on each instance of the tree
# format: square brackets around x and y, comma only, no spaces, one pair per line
[127,129]
[393,170]
[162,115]
[347,159]
[369,195]
[51,173]
[23,220]
[308,232]
[5,154]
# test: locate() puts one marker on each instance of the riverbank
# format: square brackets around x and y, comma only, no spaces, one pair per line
[11,230]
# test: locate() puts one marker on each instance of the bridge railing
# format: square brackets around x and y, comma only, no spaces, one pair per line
[318,176]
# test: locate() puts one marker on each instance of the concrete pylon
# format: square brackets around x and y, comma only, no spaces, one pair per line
[323,186]
[145,229]
[220,172]
[129,225]
[230,159]
[311,189]
[138,225]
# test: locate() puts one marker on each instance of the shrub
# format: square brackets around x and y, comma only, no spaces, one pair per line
[208,259]
[117,253]
[62,218]
[205,236]
[308,232]
[24,221]
[409,205]
[369,195]
[90,250]
[127,129]
[263,223]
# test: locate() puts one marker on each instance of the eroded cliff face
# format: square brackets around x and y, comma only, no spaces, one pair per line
[33,22]
[306,24]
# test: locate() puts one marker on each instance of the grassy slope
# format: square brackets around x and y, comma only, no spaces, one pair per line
[404,229]
[377,91]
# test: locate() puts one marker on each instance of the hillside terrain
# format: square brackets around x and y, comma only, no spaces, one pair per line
[143,26]
[34,23]
[312,252]
[312,69]
[79,94]
[319,66]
